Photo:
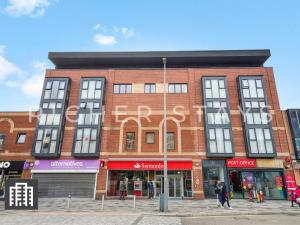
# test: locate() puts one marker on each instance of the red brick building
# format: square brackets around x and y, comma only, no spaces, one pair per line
[108,108]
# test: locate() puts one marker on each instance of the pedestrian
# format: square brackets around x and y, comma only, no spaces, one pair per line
[225,197]
[218,188]
[150,189]
[261,196]
[293,198]
[123,189]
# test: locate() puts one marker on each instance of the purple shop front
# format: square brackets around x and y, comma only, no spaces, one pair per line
[72,165]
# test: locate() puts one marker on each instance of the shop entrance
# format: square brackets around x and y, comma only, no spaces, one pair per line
[175,185]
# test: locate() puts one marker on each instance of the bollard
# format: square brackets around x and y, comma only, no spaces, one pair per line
[134,199]
[69,200]
[102,204]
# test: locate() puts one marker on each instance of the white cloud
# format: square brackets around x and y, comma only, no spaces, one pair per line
[27,7]
[105,39]
[127,32]
[7,68]
[98,26]
[30,83]
[33,85]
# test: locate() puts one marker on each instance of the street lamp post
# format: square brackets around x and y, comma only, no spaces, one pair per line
[166,182]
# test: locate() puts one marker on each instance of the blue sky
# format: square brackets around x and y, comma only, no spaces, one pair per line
[30,29]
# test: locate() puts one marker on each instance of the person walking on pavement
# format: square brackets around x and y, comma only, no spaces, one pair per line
[218,189]
[225,197]
[150,189]
[294,198]
[123,189]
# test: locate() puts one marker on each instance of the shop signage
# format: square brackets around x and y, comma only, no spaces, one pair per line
[241,163]
[64,165]
[149,165]
[290,182]
[11,165]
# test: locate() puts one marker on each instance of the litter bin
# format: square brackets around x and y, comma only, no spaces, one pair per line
[161,202]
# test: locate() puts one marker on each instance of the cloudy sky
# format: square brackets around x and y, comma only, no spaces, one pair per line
[29,29]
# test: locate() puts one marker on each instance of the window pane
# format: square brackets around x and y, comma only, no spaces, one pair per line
[228,147]
[249,118]
[212,134]
[246,93]
[253,146]
[116,89]
[86,140]
[177,88]
[43,119]
[54,134]
[212,146]
[61,94]
[52,147]
[150,138]
[94,134]
[54,91]
[252,88]
[147,88]
[217,104]
[81,119]
[56,119]
[220,140]
[47,94]
[50,118]
[215,88]
[78,146]
[92,147]
[245,83]
[79,134]
[84,94]
[260,93]
[209,104]
[254,104]
[252,134]
[39,134]
[260,140]
[221,84]
[184,88]
[208,93]
[207,84]
[222,93]
[170,141]
[269,147]
[97,94]
[128,88]
[226,134]
[20,139]
[258,83]
[122,89]
[85,85]
[223,104]
[62,85]
[48,85]
[130,140]
[256,118]
[267,134]
[171,88]
[248,104]
[91,90]
[98,85]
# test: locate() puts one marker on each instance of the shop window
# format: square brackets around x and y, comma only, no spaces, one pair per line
[122,88]
[150,137]
[21,138]
[2,138]
[150,88]
[177,88]
[170,141]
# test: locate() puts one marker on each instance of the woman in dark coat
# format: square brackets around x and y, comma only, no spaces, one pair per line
[225,197]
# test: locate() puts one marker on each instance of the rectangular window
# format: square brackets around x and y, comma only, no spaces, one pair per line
[217,122]
[21,138]
[122,88]
[89,116]
[50,121]
[2,138]
[258,130]
[130,140]
[170,140]
[150,137]
[177,88]
[150,88]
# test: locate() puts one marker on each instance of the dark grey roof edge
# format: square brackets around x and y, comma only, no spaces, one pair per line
[255,57]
